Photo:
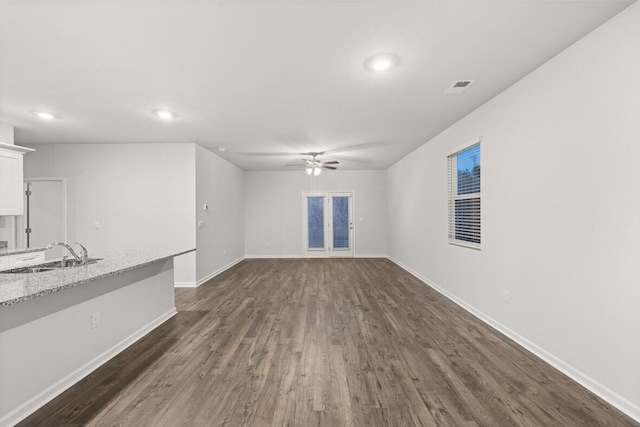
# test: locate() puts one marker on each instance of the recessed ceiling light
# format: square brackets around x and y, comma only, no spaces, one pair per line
[382,62]
[44,115]
[165,114]
[222,148]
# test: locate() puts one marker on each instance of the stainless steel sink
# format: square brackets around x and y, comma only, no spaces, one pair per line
[50,266]
[31,270]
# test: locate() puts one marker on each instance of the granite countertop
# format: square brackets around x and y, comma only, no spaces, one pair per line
[15,287]
[16,251]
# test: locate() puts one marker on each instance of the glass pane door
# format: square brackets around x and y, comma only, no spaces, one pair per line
[341,224]
[328,224]
[315,223]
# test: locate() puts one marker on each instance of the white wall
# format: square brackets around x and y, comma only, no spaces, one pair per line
[273,210]
[7,230]
[6,134]
[143,195]
[220,242]
[560,211]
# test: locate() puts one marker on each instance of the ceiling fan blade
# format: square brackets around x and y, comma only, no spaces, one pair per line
[332,162]
[329,167]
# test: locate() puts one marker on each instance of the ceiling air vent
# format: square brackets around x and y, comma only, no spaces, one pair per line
[459,86]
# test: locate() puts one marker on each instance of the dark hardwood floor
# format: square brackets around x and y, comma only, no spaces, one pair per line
[331,342]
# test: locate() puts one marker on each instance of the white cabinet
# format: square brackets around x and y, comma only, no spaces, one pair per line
[21,260]
[11,178]
[29,258]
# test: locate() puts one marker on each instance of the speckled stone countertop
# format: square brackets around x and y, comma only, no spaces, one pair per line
[15,251]
[15,288]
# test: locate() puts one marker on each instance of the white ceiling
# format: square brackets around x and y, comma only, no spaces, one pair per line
[269,77]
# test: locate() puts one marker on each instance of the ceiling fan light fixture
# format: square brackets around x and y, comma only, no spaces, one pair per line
[316,171]
[309,171]
[44,115]
[165,114]
[382,62]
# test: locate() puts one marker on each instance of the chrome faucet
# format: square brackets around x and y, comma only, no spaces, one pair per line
[81,260]
[84,255]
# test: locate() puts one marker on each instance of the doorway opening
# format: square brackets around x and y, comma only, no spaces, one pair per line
[45,215]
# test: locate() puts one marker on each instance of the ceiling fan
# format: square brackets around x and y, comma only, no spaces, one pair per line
[315,166]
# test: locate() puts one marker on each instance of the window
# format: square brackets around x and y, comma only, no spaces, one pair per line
[464,196]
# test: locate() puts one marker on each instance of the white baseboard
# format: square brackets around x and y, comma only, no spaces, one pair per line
[185,285]
[53,391]
[605,393]
[302,256]
[370,256]
[209,276]
[272,256]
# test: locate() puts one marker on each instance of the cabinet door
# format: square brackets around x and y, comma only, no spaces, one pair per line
[29,258]
[10,183]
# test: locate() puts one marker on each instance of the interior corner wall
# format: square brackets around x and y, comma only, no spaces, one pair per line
[273,210]
[142,194]
[220,240]
[560,211]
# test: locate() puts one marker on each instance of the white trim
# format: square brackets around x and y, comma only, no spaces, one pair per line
[298,256]
[38,401]
[15,148]
[465,244]
[371,256]
[602,391]
[207,277]
[475,141]
[185,285]
[272,256]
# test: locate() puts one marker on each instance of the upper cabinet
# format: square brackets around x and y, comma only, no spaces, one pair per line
[11,178]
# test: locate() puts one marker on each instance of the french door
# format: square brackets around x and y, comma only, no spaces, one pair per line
[328,224]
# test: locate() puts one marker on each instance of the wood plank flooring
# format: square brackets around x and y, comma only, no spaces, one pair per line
[324,342]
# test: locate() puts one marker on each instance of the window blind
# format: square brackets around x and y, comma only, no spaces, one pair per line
[464,213]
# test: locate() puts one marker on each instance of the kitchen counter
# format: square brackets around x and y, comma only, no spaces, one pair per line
[15,288]
[58,326]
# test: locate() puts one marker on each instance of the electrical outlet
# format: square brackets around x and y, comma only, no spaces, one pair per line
[506,297]
[95,320]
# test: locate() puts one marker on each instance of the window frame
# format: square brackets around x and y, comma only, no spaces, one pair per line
[452,196]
